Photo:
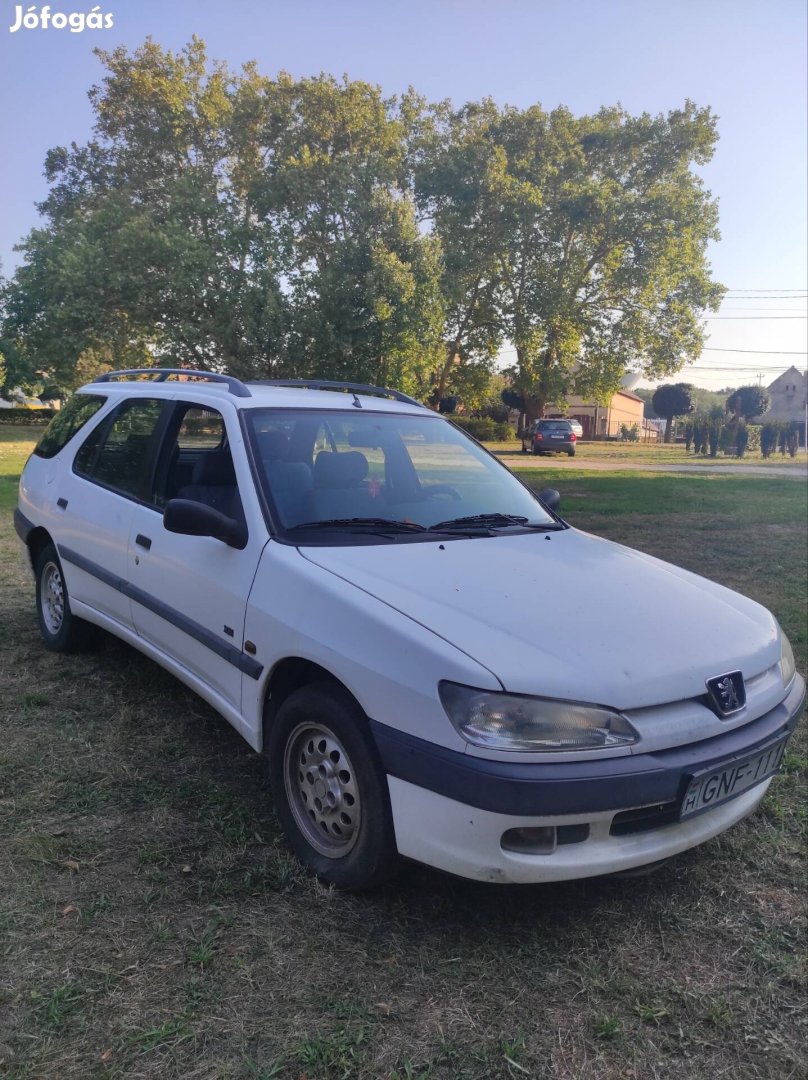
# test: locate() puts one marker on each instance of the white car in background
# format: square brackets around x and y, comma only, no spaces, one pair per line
[336,570]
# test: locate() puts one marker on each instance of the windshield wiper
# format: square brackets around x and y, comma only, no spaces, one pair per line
[493,521]
[357,523]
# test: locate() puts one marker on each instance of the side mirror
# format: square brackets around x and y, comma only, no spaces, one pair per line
[196,519]
[550,498]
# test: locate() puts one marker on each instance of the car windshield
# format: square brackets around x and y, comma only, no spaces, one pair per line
[358,472]
[554,425]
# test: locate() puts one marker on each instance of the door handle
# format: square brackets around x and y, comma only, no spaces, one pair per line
[143,541]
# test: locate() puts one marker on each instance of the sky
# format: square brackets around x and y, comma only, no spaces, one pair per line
[746,60]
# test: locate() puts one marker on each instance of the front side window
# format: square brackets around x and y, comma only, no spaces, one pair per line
[118,455]
[68,420]
[321,469]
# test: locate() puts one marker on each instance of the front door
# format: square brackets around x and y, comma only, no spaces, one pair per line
[189,593]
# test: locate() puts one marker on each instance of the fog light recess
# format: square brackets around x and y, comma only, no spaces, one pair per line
[535,840]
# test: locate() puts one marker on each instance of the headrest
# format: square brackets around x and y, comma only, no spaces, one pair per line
[272,444]
[289,476]
[339,470]
[214,468]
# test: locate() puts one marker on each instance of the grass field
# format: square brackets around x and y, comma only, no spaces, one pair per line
[152,923]
[619,453]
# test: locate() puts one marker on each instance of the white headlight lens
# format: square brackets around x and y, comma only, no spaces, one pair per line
[788,668]
[513,722]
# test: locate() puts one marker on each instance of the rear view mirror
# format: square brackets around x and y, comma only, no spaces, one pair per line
[550,497]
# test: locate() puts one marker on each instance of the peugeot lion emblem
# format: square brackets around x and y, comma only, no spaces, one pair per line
[727,693]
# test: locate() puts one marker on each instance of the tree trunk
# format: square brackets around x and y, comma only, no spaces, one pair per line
[452,359]
[668,426]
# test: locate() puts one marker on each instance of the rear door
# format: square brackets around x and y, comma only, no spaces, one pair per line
[189,593]
[96,502]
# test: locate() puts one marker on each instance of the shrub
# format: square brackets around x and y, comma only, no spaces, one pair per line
[40,417]
[483,429]
[741,441]
[769,435]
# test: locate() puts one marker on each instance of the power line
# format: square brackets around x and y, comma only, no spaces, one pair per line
[761,352]
[767,290]
[764,318]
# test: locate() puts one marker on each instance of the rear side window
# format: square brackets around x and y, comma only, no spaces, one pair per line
[70,418]
[119,455]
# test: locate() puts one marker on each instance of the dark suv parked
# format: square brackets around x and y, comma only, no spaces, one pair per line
[553,437]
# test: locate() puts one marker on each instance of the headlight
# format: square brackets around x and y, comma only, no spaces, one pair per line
[513,722]
[788,668]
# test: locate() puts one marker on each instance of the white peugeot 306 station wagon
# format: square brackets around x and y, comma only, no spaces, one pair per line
[378,603]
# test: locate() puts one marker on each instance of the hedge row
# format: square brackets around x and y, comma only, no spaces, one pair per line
[483,429]
[27,416]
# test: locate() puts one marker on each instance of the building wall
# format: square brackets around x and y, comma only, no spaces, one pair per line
[788,395]
[606,420]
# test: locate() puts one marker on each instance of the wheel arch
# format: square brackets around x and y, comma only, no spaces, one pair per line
[36,541]
[289,675]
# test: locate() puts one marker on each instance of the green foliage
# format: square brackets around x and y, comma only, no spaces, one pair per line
[741,441]
[312,227]
[484,429]
[26,417]
[232,222]
[582,239]
[747,402]
[770,434]
[672,399]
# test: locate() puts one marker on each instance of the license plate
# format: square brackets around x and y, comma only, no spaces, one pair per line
[556,436]
[723,782]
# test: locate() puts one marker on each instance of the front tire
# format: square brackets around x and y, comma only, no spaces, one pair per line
[60,629]
[329,789]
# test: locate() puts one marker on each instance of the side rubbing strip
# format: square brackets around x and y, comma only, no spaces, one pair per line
[193,629]
[89,567]
[23,526]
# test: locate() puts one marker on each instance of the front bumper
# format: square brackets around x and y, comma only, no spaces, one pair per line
[450,810]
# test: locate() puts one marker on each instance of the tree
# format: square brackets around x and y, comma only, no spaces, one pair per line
[672,399]
[233,222]
[269,227]
[450,163]
[364,282]
[151,251]
[748,402]
[586,238]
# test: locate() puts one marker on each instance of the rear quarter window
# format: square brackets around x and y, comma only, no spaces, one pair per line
[70,418]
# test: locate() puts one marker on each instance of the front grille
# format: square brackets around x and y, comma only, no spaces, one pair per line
[644,819]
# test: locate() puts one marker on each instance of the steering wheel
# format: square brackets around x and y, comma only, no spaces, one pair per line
[442,489]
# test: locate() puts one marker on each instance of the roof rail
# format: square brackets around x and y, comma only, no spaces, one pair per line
[330,384]
[235,386]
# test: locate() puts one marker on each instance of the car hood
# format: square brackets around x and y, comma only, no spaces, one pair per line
[566,614]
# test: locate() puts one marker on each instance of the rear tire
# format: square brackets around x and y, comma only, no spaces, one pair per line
[60,629]
[570,453]
[329,789]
